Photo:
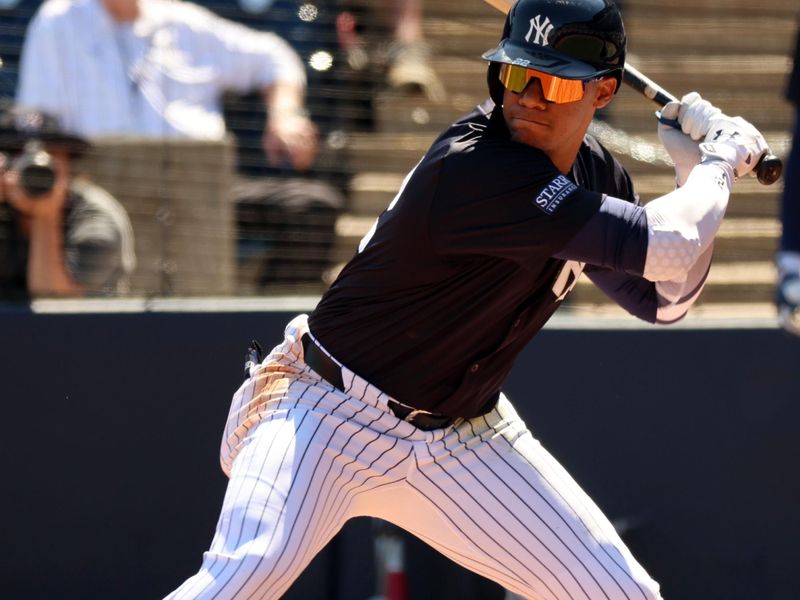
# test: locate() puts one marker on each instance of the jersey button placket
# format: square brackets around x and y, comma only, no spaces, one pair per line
[474,368]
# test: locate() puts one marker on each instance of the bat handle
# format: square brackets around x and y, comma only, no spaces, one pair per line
[769,167]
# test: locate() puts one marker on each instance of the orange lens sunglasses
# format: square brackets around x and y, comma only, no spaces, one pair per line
[554,89]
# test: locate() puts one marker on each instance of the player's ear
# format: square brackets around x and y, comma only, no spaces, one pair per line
[605,91]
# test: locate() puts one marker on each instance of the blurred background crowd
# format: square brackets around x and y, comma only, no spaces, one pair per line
[243,147]
[217,134]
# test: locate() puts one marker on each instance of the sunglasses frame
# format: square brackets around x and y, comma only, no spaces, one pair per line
[550,84]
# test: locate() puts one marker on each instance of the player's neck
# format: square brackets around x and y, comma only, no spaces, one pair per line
[563,157]
[565,153]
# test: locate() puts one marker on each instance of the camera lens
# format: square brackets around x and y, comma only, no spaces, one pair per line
[37,174]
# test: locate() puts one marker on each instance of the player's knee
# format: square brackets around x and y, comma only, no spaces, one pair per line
[639,587]
[230,577]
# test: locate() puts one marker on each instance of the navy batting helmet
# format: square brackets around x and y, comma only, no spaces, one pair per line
[572,39]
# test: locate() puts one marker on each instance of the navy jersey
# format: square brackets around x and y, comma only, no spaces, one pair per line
[458,274]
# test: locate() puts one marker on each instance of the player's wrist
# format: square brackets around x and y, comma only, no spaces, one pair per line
[723,157]
[717,169]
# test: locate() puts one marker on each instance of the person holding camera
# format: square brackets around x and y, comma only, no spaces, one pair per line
[59,235]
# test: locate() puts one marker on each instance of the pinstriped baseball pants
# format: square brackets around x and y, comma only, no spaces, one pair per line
[304,457]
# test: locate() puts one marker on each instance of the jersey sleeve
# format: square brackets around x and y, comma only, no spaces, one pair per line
[93,252]
[614,237]
[506,202]
[98,241]
[635,294]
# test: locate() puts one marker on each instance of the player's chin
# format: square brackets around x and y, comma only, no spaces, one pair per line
[527,132]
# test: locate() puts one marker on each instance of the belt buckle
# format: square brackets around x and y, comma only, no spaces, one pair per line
[396,407]
[414,412]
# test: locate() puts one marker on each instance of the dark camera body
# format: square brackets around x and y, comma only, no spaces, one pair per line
[37,173]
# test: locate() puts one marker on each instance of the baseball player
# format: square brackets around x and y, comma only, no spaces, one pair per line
[386,400]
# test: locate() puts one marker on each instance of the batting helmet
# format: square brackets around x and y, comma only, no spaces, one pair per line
[572,39]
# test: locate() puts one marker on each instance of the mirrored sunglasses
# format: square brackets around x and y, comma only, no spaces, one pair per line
[554,89]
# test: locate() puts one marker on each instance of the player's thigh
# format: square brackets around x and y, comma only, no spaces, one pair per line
[269,528]
[508,510]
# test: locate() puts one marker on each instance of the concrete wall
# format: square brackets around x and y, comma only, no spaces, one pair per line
[111,425]
[178,196]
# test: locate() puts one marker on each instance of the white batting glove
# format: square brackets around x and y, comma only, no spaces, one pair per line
[682,149]
[695,115]
[735,141]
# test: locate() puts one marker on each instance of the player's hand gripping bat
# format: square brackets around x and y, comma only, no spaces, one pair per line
[769,167]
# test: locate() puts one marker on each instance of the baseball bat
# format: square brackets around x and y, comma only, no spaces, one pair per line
[769,167]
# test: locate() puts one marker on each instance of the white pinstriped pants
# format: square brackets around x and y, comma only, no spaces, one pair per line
[304,457]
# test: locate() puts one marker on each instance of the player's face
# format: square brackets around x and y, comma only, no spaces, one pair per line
[556,129]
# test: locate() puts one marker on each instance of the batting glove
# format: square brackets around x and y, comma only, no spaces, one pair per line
[682,149]
[695,115]
[788,292]
[735,141]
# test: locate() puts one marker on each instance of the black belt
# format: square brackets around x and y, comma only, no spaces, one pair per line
[332,373]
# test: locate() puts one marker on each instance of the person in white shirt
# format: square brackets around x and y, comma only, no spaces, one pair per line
[159,68]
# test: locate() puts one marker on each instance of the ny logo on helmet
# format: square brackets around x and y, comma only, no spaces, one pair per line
[542,30]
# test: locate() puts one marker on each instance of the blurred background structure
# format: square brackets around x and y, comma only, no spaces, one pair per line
[180,194]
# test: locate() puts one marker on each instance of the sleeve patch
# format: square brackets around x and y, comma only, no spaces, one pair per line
[553,194]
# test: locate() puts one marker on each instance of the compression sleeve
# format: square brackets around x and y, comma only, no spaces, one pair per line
[677,296]
[682,224]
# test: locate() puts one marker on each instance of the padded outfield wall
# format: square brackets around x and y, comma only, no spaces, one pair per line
[686,437]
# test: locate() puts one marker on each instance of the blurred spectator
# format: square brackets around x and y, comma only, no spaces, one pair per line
[59,235]
[407,59]
[409,56]
[310,29]
[14,18]
[159,68]
[287,221]
[788,257]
